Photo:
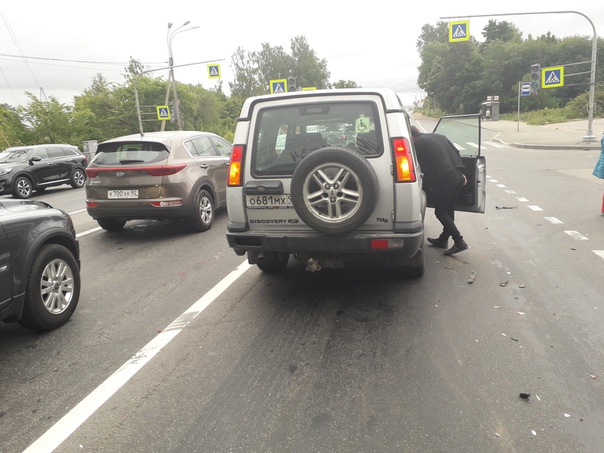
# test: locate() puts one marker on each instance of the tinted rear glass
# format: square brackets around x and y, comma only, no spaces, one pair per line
[125,153]
[285,135]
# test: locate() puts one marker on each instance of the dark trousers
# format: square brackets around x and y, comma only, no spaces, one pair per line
[445,194]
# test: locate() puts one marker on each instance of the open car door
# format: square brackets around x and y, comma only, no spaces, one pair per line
[464,131]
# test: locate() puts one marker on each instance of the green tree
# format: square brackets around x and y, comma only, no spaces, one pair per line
[501,31]
[50,121]
[12,131]
[345,84]
[254,70]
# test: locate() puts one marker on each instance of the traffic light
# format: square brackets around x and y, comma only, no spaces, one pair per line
[291,84]
[535,78]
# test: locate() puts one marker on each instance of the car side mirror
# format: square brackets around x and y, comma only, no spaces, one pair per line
[35,159]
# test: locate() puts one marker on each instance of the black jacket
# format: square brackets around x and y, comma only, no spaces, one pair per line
[437,156]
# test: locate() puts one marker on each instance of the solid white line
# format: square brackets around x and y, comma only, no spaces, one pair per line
[61,430]
[84,233]
[576,235]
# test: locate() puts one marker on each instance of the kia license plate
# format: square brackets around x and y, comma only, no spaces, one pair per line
[122,194]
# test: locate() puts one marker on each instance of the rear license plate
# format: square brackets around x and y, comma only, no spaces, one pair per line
[268,201]
[120,194]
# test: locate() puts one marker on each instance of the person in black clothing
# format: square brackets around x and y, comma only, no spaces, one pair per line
[442,167]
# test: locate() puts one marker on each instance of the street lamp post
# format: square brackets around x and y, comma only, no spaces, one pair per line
[171,81]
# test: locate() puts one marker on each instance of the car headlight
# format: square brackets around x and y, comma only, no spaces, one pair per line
[5,171]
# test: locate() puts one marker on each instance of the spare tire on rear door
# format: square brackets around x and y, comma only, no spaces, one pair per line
[334,190]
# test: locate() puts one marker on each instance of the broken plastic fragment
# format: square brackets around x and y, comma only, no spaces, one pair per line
[472,277]
[504,283]
[593,376]
[525,395]
[520,313]
[566,415]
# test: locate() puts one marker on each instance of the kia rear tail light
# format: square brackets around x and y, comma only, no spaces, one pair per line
[405,170]
[236,166]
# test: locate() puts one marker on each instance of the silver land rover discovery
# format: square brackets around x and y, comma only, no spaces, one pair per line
[297,189]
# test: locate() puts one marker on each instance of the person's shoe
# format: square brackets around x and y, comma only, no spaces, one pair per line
[458,247]
[436,242]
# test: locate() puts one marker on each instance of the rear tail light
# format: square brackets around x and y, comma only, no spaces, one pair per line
[153,170]
[236,166]
[405,170]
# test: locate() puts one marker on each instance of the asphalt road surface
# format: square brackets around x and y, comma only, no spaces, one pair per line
[179,346]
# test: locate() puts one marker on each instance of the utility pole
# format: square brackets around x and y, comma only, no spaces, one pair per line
[171,81]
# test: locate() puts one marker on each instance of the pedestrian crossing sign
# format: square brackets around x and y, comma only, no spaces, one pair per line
[552,77]
[214,71]
[278,86]
[459,31]
[163,112]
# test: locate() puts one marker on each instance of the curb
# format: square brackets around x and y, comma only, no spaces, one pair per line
[586,147]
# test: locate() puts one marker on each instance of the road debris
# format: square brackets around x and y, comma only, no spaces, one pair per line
[520,313]
[566,415]
[472,277]
[506,207]
[504,283]
[533,434]
[515,339]
[525,395]
[593,376]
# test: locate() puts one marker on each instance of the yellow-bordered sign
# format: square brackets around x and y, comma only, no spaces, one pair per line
[213,71]
[459,31]
[552,77]
[163,112]
[309,88]
[278,86]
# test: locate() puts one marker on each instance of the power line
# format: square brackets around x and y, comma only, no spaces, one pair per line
[64,60]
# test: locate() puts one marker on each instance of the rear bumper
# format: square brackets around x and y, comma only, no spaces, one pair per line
[316,244]
[133,212]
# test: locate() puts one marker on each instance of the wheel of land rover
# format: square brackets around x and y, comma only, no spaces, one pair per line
[334,190]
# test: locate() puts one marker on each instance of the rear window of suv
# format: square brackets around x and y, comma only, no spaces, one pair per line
[285,135]
[124,153]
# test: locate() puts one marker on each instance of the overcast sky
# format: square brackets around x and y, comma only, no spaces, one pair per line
[369,42]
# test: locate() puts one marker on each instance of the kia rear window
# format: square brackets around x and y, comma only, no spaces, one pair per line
[126,153]
[285,135]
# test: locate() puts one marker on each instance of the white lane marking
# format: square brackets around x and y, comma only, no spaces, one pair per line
[84,233]
[600,253]
[535,208]
[522,199]
[493,180]
[472,144]
[501,186]
[496,145]
[553,220]
[576,235]
[61,430]
[78,211]
[459,147]
[511,192]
